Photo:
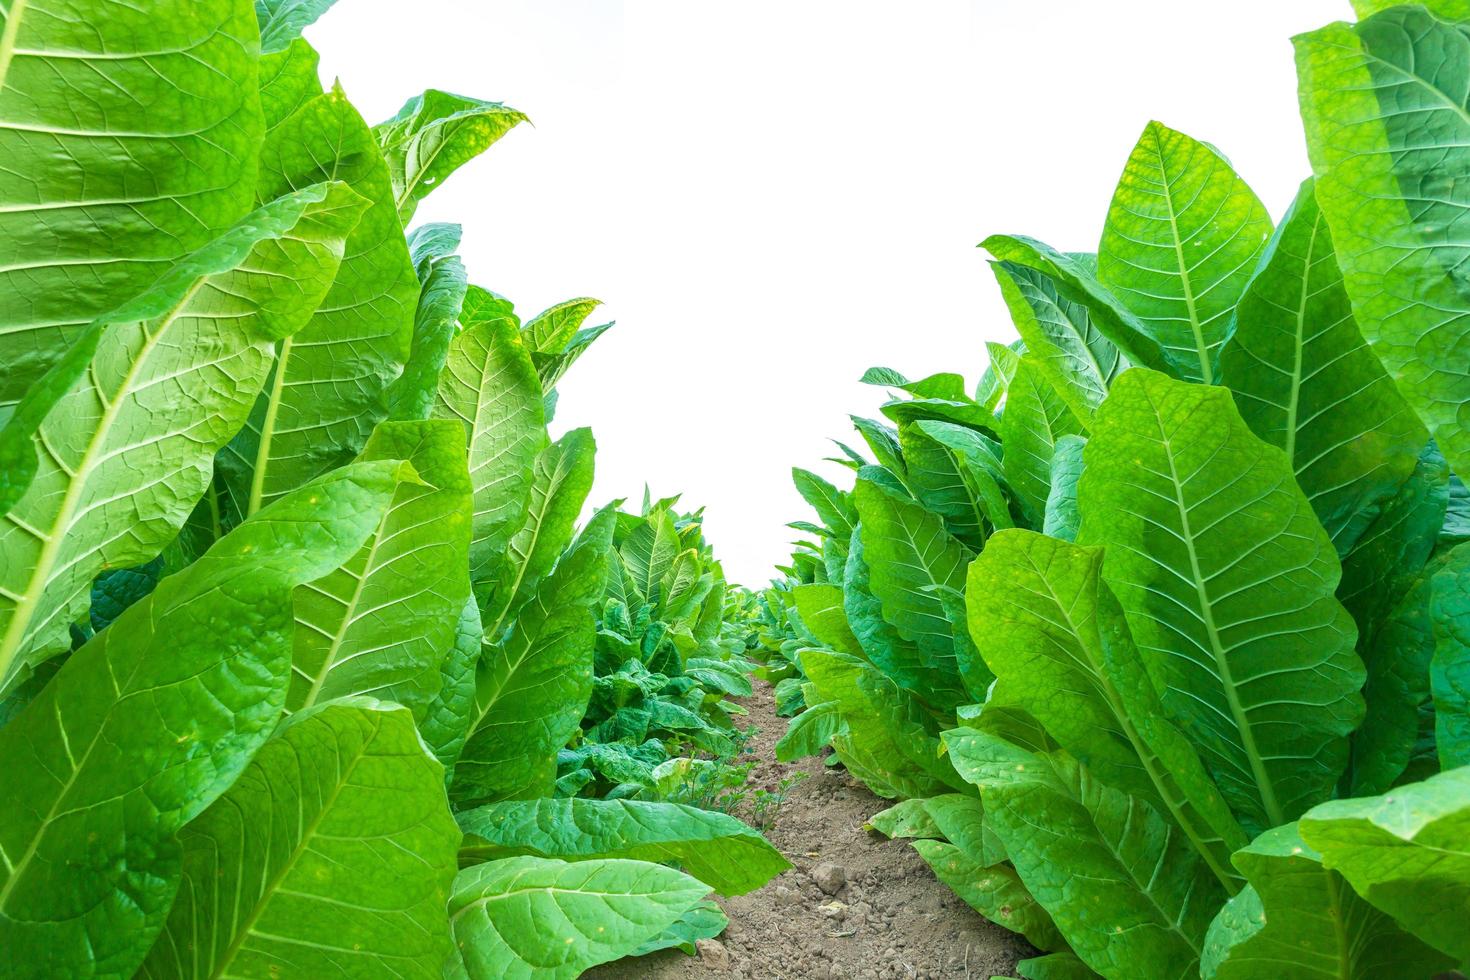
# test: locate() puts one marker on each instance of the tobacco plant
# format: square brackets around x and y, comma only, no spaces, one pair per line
[1159,636]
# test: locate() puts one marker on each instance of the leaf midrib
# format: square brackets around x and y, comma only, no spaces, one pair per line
[1206,374]
[7,39]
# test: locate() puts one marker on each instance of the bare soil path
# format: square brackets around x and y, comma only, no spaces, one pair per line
[877,914]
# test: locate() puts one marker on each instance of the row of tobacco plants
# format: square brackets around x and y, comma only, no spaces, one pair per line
[1161,637]
[306,667]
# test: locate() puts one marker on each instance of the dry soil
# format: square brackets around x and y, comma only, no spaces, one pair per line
[882,914]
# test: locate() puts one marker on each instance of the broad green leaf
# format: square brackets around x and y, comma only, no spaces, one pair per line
[561,480]
[432,136]
[1449,670]
[1077,281]
[998,372]
[490,385]
[978,460]
[150,721]
[883,441]
[881,644]
[1054,966]
[528,918]
[716,848]
[1035,419]
[549,332]
[937,476]
[810,732]
[332,854]
[1299,920]
[1182,237]
[906,552]
[833,506]
[1305,381]
[440,298]
[1038,612]
[882,738]
[1094,858]
[648,553]
[821,611]
[1226,579]
[996,892]
[1385,106]
[289,79]
[531,688]
[705,920]
[1063,518]
[1407,853]
[381,624]
[1079,361]
[129,141]
[124,427]
[1446,9]
[282,21]
[329,385]
[908,819]
[446,721]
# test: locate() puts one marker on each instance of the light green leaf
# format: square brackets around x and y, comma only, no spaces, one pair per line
[1299,920]
[648,554]
[833,506]
[937,476]
[1063,518]
[282,21]
[331,377]
[380,625]
[820,608]
[1181,239]
[1079,361]
[432,136]
[1092,857]
[1054,966]
[1035,419]
[906,552]
[333,853]
[1045,626]
[1305,381]
[998,372]
[440,299]
[1449,670]
[129,140]
[490,385]
[124,428]
[148,723]
[531,688]
[561,480]
[1226,579]
[717,849]
[1408,853]
[288,80]
[978,460]
[528,918]
[1385,109]
[810,732]
[907,819]
[704,921]
[996,892]
[446,721]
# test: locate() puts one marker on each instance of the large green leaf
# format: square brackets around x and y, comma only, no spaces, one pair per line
[1227,581]
[832,505]
[1299,920]
[329,386]
[531,687]
[821,611]
[1076,280]
[381,624]
[1035,419]
[996,892]
[1181,240]
[441,296]
[1386,107]
[648,554]
[1305,381]
[490,385]
[1063,518]
[907,553]
[561,481]
[332,854]
[1449,669]
[129,135]
[1041,618]
[1076,358]
[148,723]
[446,721]
[529,918]
[432,136]
[124,427]
[1408,853]
[716,848]
[1124,888]
[288,80]
[977,457]
[938,478]
[282,21]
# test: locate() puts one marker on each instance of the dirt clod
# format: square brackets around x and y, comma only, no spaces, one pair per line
[829,877]
[898,920]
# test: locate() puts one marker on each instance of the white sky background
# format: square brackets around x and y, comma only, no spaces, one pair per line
[772,195]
